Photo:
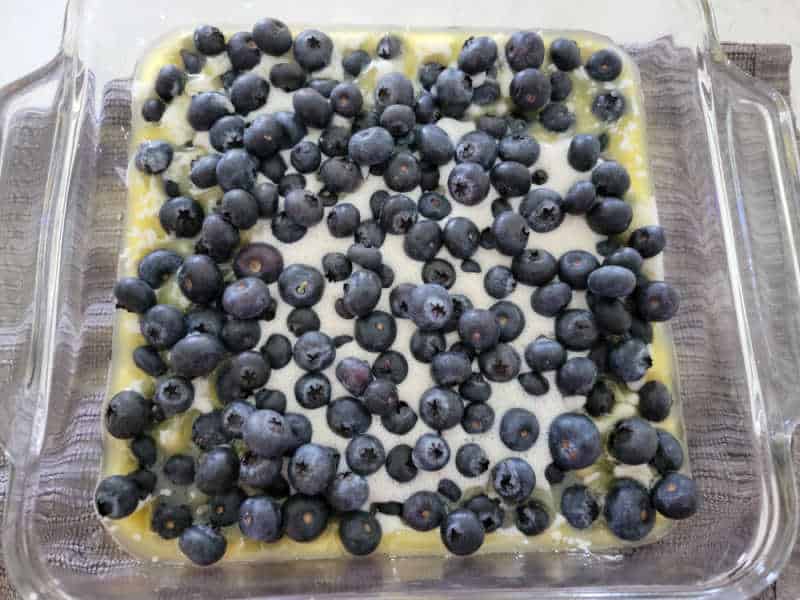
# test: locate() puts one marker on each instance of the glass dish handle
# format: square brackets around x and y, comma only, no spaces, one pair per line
[760,172]
[28,122]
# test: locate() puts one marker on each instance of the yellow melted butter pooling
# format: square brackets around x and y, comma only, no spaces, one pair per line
[144,234]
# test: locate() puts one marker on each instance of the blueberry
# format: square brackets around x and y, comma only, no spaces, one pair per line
[450,368]
[149,360]
[556,117]
[519,429]
[477,147]
[243,52]
[510,233]
[162,326]
[633,441]
[346,99]
[277,350]
[312,468]
[266,433]
[574,268]
[600,400]
[534,384]
[532,518]
[486,93]
[524,49]
[657,301]
[398,214]
[423,240]
[370,233]
[430,306]
[154,269]
[630,360]
[300,429]
[544,354]
[584,150]
[348,417]
[391,365]
[579,507]
[611,281]
[287,76]
[400,298]
[479,329]
[576,376]
[475,389]
[580,198]
[471,459]
[513,479]
[263,138]
[435,146]
[116,497]
[628,510]
[534,267]
[539,177]
[399,463]
[655,401]
[203,172]
[530,89]
[272,36]
[209,40]
[488,511]
[501,363]
[376,331]
[499,206]
[499,281]
[565,54]
[236,169]
[510,178]
[423,511]
[625,257]
[574,441]
[153,109]
[343,220]
[224,508]
[560,86]
[367,118]
[301,285]
[249,92]
[134,295]
[402,173]
[550,299]
[648,241]
[153,157]
[426,110]
[428,73]
[519,148]
[354,374]
[441,408]
[360,533]
[609,107]
[478,417]
[208,431]
[478,54]
[217,470]
[355,62]
[426,344]
[462,532]
[173,395]
[170,521]
[205,108]
[311,107]
[453,91]
[542,209]
[312,49]
[380,397]
[170,82]
[431,452]
[305,517]
[510,320]
[271,399]
[340,175]
[449,490]
[604,65]
[676,496]
[260,518]
[609,216]
[553,474]
[611,315]
[348,491]
[365,454]
[440,272]
[393,88]
[669,456]
[179,469]
[401,421]
[493,125]
[398,119]
[362,291]
[314,351]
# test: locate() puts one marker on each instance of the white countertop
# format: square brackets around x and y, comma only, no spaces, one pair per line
[32,31]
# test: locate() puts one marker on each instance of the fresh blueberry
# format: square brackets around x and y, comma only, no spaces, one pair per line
[398,213]
[202,544]
[209,40]
[311,107]
[454,92]
[360,533]
[354,374]
[426,344]
[362,291]
[301,285]
[249,92]
[430,306]
[477,147]
[574,268]
[340,175]
[519,429]
[579,507]
[376,331]
[577,376]
[170,82]
[630,360]
[312,49]
[530,89]
[534,267]
[423,511]
[323,85]
[154,269]
[493,125]
[260,519]
[669,456]
[153,109]
[348,417]
[471,460]
[499,281]
[479,329]
[402,173]
[565,54]
[475,389]
[370,233]
[510,233]
[390,365]
[428,73]
[655,401]
[371,146]
[196,355]
[236,170]
[534,384]
[314,351]
[401,421]
[277,350]
[625,257]
[162,326]
[149,360]
[440,272]
[208,431]
[300,429]
[609,216]
[520,148]
[676,496]
[584,150]
[478,54]
[462,532]
[611,281]
[486,93]
[580,198]
[552,298]
[287,76]
[116,497]
[423,240]
[539,177]
[263,138]
[267,433]
[628,511]
[219,238]
[426,109]
[243,52]
[170,521]
[400,300]
[305,517]
[343,220]
[604,65]
[488,511]
[355,62]
[393,88]
[441,408]
[513,479]
[203,172]
[272,36]
[600,400]
[510,320]
[380,397]
[544,354]
[365,454]
[501,363]
[510,178]
[246,298]
[450,368]
[173,395]
[543,210]
[134,295]
[560,86]
[633,441]
[611,179]
[435,146]
[478,417]
[532,518]
[179,469]
[399,463]
[153,157]
[348,491]
[217,470]
[398,119]
[312,468]
[556,117]
[258,471]
[224,508]
[431,452]
[206,107]
[648,241]
[574,441]
[524,49]
[657,301]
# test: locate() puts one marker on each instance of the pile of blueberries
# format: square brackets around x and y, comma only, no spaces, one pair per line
[256,462]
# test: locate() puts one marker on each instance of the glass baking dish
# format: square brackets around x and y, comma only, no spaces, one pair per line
[725,168]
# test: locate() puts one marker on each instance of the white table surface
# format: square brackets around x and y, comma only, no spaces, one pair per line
[32,31]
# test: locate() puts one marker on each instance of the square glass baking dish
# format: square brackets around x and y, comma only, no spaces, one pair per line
[725,168]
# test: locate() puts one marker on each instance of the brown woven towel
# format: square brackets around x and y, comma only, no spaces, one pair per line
[768,62]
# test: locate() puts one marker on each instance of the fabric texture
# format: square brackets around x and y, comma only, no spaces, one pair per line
[767,62]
